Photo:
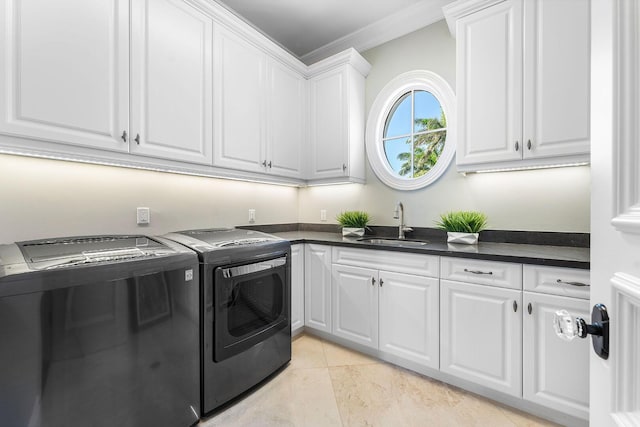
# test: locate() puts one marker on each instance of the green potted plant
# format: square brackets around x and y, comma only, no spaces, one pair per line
[462,226]
[353,222]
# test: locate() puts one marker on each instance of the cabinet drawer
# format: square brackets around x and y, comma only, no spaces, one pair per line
[400,262]
[500,274]
[570,282]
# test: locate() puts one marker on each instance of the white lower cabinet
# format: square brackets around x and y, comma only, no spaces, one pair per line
[376,305]
[481,335]
[465,317]
[409,317]
[354,300]
[317,287]
[556,372]
[297,287]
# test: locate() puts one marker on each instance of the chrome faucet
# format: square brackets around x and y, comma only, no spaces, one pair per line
[399,214]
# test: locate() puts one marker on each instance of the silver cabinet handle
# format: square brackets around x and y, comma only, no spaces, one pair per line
[517,146]
[373,281]
[124,135]
[381,282]
[137,139]
[478,271]
[529,308]
[269,164]
[515,306]
[562,282]
[344,167]
[264,163]
[529,144]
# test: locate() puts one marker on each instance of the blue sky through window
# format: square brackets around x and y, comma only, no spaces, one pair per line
[400,123]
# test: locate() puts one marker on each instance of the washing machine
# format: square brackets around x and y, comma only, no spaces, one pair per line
[99,331]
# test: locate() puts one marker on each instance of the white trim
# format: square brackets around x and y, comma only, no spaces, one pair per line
[626,192]
[461,8]
[348,56]
[412,80]
[625,345]
[401,23]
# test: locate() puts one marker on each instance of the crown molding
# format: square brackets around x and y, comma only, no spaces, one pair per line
[401,23]
[454,11]
[348,56]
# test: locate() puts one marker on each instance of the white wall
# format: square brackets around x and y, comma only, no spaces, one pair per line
[542,200]
[50,198]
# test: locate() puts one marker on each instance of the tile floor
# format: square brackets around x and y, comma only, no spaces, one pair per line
[328,385]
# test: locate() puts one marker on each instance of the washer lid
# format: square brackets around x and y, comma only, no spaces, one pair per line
[73,251]
[221,238]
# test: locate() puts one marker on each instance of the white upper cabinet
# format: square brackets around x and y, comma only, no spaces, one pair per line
[259,109]
[522,82]
[489,82]
[68,77]
[286,120]
[239,105]
[64,71]
[171,81]
[557,80]
[337,118]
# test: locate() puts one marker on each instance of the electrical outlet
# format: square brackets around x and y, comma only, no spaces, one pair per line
[143,216]
[252,216]
[323,214]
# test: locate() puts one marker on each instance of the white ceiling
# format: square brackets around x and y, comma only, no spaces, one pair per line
[312,30]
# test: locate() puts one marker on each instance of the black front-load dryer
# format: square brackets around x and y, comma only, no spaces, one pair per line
[245,281]
[99,331]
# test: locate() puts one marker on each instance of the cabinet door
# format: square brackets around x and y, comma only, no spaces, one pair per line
[489,80]
[317,287]
[64,71]
[297,287]
[239,83]
[286,120]
[556,372]
[328,121]
[481,335]
[557,78]
[354,304]
[171,81]
[409,317]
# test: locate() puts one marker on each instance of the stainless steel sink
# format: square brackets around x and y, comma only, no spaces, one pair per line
[394,242]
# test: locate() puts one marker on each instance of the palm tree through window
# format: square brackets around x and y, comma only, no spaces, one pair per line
[414,134]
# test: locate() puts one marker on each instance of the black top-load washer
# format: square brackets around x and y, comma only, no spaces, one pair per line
[246,311]
[99,331]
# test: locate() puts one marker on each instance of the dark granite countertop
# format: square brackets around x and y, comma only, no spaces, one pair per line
[558,256]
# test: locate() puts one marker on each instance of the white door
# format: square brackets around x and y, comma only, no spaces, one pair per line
[615,208]
[489,80]
[354,304]
[64,71]
[555,372]
[409,317]
[239,111]
[297,287]
[317,287]
[481,335]
[327,127]
[171,81]
[286,122]
[556,77]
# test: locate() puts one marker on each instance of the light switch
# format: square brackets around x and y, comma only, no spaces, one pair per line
[143,216]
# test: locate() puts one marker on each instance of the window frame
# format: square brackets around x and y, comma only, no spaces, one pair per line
[411,81]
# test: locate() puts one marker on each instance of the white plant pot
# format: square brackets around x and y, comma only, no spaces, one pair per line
[352,232]
[466,238]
